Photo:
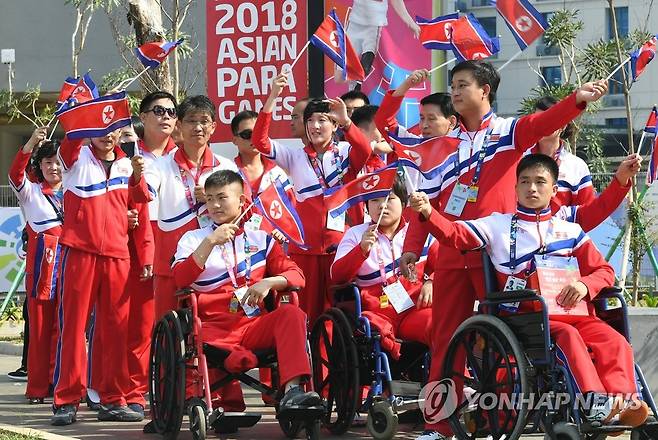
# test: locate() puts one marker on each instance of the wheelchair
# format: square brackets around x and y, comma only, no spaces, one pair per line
[346,356]
[512,353]
[178,351]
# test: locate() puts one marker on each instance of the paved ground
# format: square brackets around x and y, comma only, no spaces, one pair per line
[15,411]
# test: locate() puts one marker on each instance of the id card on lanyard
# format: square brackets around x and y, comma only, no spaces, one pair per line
[394,294]
[232,269]
[203,219]
[462,193]
[333,223]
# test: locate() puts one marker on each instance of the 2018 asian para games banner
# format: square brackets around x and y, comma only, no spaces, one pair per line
[248,43]
[11,228]
[383,36]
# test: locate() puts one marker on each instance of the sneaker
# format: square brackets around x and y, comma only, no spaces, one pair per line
[431,435]
[136,407]
[118,413]
[35,400]
[20,374]
[64,415]
[604,408]
[296,397]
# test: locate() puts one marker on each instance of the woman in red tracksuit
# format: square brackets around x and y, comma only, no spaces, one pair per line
[369,255]
[41,203]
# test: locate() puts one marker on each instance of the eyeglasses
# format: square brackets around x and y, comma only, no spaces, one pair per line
[246,134]
[192,123]
[159,110]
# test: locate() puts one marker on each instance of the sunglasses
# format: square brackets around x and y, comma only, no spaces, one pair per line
[159,110]
[246,134]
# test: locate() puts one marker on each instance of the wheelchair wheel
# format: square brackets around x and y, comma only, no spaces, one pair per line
[167,376]
[312,430]
[564,431]
[335,369]
[497,375]
[382,421]
[291,428]
[198,422]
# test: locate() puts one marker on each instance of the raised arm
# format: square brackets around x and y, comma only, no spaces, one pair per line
[21,161]
[385,118]
[531,128]
[260,137]
[69,151]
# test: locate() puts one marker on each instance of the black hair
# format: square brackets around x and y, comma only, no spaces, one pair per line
[355,94]
[441,100]
[548,101]
[138,126]
[222,178]
[47,150]
[198,103]
[243,115]
[315,106]
[400,190]
[483,72]
[364,115]
[154,96]
[539,161]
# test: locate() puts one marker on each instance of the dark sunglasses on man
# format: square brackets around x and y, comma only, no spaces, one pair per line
[246,134]
[160,111]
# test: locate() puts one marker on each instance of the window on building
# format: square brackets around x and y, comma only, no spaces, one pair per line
[543,49]
[616,123]
[552,75]
[622,22]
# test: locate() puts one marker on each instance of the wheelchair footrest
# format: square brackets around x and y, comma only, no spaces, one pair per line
[305,414]
[231,421]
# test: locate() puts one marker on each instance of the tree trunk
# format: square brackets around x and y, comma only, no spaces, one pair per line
[176,26]
[631,149]
[146,18]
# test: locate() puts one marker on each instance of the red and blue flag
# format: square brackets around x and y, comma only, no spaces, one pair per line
[331,39]
[369,186]
[435,33]
[470,41]
[153,54]
[526,23]
[652,172]
[643,56]
[650,126]
[427,155]
[95,118]
[279,210]
[76,91]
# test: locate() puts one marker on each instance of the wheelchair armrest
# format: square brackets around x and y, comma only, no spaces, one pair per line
[600,301]
[288,296]
[511,295]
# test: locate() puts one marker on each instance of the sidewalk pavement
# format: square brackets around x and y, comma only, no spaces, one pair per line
[14,411]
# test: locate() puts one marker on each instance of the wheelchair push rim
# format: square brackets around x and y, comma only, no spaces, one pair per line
[497,374]
[335,370]
[167,376]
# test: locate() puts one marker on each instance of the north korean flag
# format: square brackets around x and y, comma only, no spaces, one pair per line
[97,117]
[650,126]
[76,91]
[426,155]
[435,33]
[331,39]
[153,54]
[470,41]
[278,209]
[526,23]
[370,186]
[652,172]
[643,56]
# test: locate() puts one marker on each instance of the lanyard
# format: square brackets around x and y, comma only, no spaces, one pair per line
[232,266]
[382,264]
[512,242]
[481,155]
[315,164]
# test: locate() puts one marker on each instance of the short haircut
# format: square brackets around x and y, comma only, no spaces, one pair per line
[223,178]
[198,103]
[243,115]
[483,72]
[154,96]
[355,94]
[538,161]
[546,102]
[315,106]
[138,126]
[441,100]
[364,115]
[47,150]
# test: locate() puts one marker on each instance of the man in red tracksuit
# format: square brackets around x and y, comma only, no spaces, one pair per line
[94,268]
[475,181]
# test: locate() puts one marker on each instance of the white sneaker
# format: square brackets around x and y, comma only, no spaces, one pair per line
[431,435]
[604,408]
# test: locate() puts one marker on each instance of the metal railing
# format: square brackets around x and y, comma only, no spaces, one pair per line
[7,197]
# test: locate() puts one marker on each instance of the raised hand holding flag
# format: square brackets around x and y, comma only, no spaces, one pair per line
[370,186]
[278,209]
[642,57]
[470,41]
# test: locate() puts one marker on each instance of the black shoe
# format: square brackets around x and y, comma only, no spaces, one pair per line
[20,374]
[136,407]
[94,406]
[149,428]
[64,415]
[118,413]
[296,398]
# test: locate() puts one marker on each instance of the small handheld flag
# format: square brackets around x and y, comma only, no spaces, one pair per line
[424,154]
[278,209]
[650,126]
[370,186]
[643,56]
[652,172]
[153,54]
[331,39]
[97,117]
[435,33]
[470,41]
[76,91]
[526,23]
